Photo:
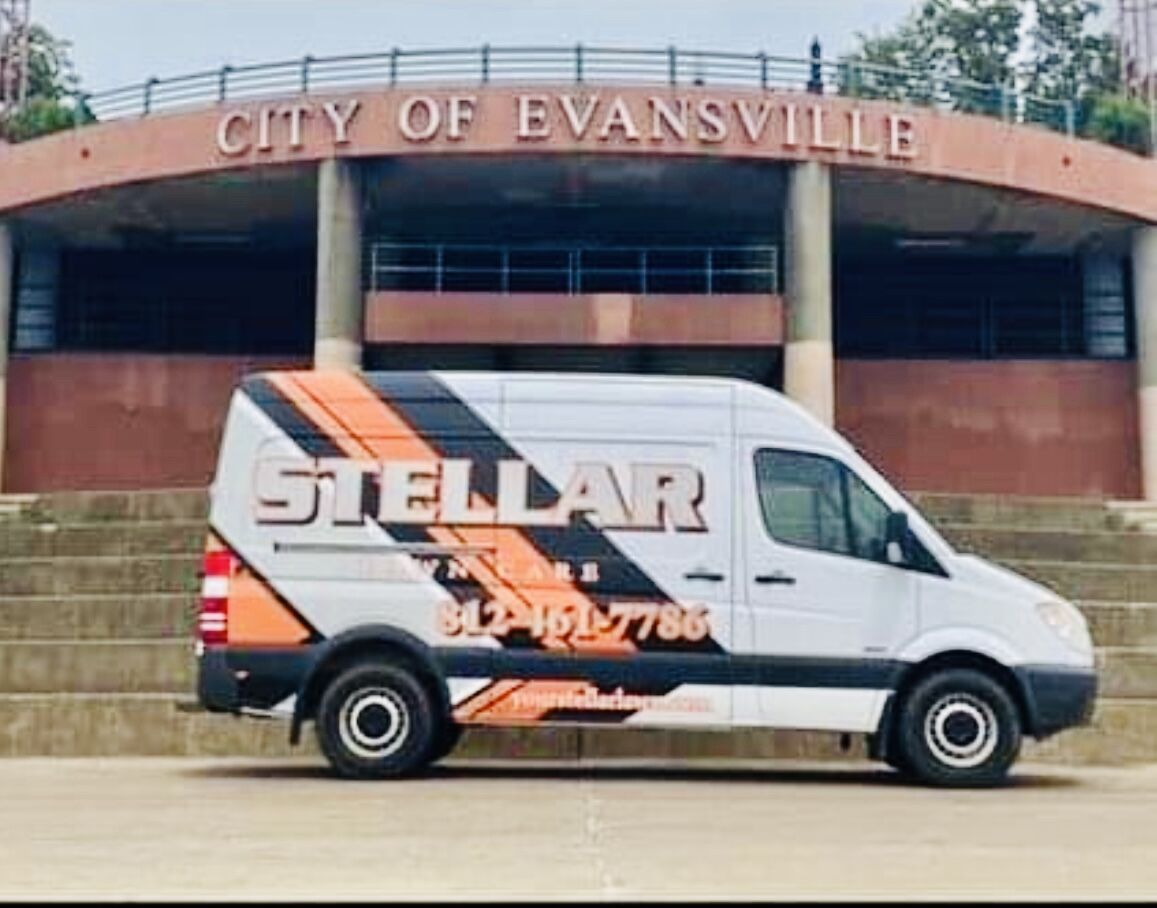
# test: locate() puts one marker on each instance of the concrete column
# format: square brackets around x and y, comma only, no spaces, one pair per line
[340,299]
[1145,305]
[809,363]
[7,288]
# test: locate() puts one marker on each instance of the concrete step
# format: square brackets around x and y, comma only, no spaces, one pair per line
[111,616]
[13,507]
[97,666]
[1090,580]
[1017,511]
[91,575]
[168,666]
[1053,545]
[131,724]
[82,575]
[1127,672]
[100,507]
[1138,515]
[53,540]
[1121,623]
[173,615]
[1123,732]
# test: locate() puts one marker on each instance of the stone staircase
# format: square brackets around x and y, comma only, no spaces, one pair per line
[98,602]
[1096,556]
[12,507]
[1138,515]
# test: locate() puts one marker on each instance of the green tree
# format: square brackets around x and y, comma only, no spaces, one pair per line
[52,87]
[958,54]
[975,40]
[1069,62]
[1067,59]
[1121,121]
[961,52]
[890,67]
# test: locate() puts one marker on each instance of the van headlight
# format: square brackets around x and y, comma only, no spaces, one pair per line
[1067,623]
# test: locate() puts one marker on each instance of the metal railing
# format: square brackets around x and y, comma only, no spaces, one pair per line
[572,270]
[580,65]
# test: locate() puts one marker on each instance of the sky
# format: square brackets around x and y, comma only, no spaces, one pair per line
[121,42]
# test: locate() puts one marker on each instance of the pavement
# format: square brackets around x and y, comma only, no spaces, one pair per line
[215,830]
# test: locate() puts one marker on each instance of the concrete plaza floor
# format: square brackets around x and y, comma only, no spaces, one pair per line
[126,828]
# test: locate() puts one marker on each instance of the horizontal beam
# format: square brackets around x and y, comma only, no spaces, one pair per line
[598,319]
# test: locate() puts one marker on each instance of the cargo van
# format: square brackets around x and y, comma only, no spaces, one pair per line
[395,556]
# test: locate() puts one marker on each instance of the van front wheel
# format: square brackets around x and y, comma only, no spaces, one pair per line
[959,728]
[375,721]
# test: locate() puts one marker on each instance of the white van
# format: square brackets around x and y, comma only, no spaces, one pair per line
[397,555]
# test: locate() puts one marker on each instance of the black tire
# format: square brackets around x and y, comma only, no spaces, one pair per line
[376,721]
[958,728]
[898,762]
[447,738]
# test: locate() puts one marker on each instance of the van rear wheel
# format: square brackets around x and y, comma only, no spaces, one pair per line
[376,721]
[446,740]
[959,728]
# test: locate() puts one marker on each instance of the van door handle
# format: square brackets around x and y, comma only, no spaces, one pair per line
[777,577]
[704,575]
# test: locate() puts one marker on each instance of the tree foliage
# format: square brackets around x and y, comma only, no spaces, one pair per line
[53,84]
[956,52]
[1121,121]
[1072,62]
[1068,59]
[953,49]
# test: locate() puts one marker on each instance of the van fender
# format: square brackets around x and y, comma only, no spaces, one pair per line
[367,639]
[961,642]
[955,639]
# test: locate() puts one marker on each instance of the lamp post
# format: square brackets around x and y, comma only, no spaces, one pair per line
[815,83]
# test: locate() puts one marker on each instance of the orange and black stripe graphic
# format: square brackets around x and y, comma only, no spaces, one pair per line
[319,434]
[361,426]
[415,417]
[258,614]
[265,624]
[454,431]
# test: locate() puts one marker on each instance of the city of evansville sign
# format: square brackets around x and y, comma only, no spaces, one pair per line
[795,123]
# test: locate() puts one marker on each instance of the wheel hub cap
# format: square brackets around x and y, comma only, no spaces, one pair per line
[961,730]
[374,723]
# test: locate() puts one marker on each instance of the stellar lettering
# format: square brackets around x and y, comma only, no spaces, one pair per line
[655,497]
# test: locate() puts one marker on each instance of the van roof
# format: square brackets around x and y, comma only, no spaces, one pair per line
[763,409]
[584,378]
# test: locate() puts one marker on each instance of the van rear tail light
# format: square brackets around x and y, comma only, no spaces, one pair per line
[213,622]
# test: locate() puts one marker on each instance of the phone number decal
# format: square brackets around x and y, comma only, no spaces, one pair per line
[634,621]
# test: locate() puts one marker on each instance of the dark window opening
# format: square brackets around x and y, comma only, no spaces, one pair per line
[762,365]
[187,301]
[967,307]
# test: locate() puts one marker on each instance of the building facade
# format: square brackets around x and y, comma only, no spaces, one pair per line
[972,299]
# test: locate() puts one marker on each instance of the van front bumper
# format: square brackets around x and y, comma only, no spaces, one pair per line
[1057,697]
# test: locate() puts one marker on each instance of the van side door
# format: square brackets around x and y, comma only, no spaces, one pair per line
[826,609]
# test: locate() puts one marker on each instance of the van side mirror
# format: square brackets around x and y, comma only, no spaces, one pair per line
[896,538]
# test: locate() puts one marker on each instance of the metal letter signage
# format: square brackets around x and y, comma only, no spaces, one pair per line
[822,128]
